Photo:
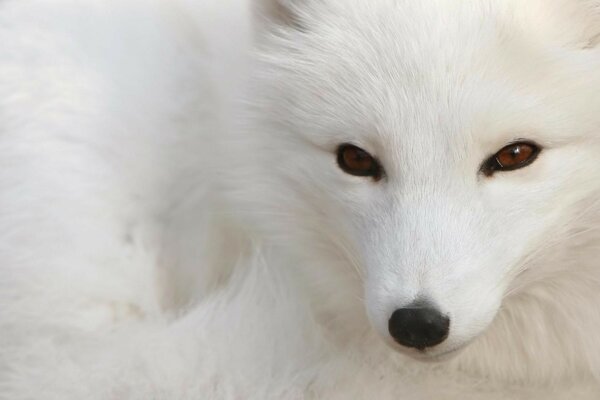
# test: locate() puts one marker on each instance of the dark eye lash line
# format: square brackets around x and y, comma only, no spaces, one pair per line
[491,165]
[377,173]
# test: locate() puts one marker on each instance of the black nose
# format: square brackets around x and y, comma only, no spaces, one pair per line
[419,326]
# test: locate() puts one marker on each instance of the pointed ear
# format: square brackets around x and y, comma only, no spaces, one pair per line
[593,43]
[571,23]
[586,17]
[592,33]
[279,12]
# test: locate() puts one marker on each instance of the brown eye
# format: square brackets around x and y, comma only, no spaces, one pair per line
[355,161]
[511,157]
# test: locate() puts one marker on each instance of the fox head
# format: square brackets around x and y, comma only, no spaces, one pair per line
[445,150]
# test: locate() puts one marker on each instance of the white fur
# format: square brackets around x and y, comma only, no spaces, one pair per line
[173,224]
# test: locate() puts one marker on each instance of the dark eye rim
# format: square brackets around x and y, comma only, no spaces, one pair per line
[376,172]
[492,165]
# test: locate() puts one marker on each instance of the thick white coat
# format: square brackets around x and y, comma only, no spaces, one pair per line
[173,224]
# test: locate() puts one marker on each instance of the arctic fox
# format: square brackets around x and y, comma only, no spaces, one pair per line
[299,199]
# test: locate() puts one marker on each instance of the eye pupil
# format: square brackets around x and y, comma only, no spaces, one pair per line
[356,161]
[357,158]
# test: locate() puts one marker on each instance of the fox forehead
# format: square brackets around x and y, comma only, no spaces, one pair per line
[389,72]
[567,22]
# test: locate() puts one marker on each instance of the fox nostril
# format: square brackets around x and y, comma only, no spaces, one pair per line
[419,326]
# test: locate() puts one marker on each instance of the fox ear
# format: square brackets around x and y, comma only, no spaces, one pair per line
[594,41]
[279,12]
[592,31]
[570,23]
[587,17]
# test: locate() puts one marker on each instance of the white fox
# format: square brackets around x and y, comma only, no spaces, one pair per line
[299,199]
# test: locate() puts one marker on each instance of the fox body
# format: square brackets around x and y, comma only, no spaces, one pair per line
[270,199]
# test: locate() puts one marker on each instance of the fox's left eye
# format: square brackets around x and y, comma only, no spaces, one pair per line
[514,156]
[355,161]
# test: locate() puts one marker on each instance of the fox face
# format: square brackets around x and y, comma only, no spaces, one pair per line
[444,149]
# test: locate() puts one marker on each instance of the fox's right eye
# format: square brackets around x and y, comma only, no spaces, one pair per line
[356,161]
[511,157]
